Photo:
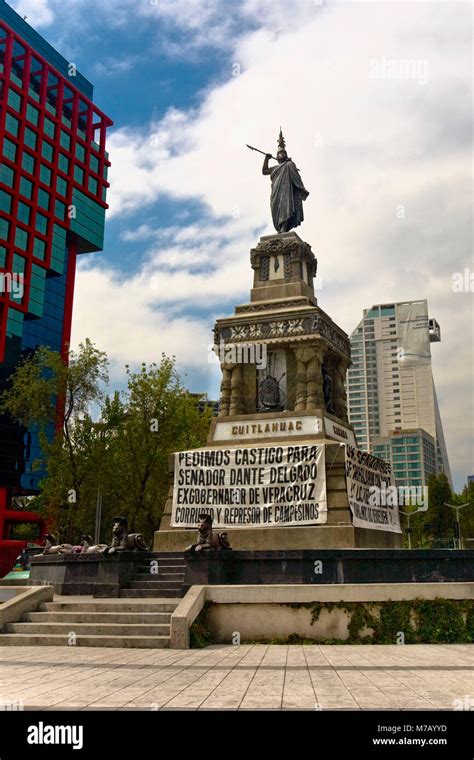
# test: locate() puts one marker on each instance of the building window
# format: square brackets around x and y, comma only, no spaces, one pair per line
[28,163]
[43,199]
[11,125]
[47,151]
[4,229]
[9,149]
[14,100]
[80,153]
[24,213]
[21,239]
[61,186]
[26,187]
[7,175]
[49,127]
[5,202]
[63,163]
[42,224]
[32,114]
[30,138]
[45,175]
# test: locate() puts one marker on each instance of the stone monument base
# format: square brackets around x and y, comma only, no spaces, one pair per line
[277,538]
[337,533]
[335,566]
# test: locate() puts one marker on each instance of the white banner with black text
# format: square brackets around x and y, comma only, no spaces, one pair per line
[253,487]
[370,488]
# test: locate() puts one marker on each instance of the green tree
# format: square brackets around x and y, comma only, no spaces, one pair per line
[161,417]
[438,515]
[466,515]
[435,526]
[56,397]
[123,456]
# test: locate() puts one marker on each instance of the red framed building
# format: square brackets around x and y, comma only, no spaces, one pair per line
[53,185]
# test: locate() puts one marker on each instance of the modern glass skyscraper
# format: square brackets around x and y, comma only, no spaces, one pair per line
[391,394]
[53,183]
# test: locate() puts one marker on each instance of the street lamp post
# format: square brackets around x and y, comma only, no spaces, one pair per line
[458,531]
[98,516]
[409,515]
[408,529]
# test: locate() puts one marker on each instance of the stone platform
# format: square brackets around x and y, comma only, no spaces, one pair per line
[338,532]
[125,574]
[330,566]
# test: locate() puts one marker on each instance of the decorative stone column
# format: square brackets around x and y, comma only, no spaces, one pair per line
[315,397]
[301,380]
[226,388]
[340,400]
[237,391]
[309,387]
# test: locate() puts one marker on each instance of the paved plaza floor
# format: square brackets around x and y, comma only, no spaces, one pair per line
[247,677]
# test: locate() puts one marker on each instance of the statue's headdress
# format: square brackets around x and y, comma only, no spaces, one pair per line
[281,141]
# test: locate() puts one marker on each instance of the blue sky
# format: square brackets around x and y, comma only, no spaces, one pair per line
[375,100]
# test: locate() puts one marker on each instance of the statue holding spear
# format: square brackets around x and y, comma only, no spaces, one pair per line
[288,191]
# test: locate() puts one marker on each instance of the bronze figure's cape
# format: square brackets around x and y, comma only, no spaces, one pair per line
[288,194]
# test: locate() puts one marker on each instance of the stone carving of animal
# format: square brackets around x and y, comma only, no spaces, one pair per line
[122,540]
[52,547]
[88,546]
[208,540]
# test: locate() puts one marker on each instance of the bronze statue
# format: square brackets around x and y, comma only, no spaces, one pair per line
[122,540]
[270,394]
[327,389]
[208,540]
[88,546]
[288,191]
[52,547]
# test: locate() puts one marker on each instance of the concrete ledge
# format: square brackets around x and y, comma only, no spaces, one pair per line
[262,613]
[23,601]
[264,609]
[348,592]
[184,616]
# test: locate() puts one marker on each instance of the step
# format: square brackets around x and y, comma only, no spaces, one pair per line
[88,629]
[129,642]
[155,584]
[165,560]
[161,570]
[147,578]
[115,606]
[143,593]
[148,618]
[162,574]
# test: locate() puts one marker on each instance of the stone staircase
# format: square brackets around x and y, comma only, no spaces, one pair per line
[97,623]
[140,618]
[161,574]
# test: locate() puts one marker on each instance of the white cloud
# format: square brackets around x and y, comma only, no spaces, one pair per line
[38,12]
[132,322]
[367,149]
[143,232]
[115,66]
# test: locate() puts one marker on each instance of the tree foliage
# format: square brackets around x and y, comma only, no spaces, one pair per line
[93,442]
[435,527]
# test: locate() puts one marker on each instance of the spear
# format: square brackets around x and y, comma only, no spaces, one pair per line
[261,151]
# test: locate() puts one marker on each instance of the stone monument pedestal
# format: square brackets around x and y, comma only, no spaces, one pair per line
[284,364]
[338,533]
